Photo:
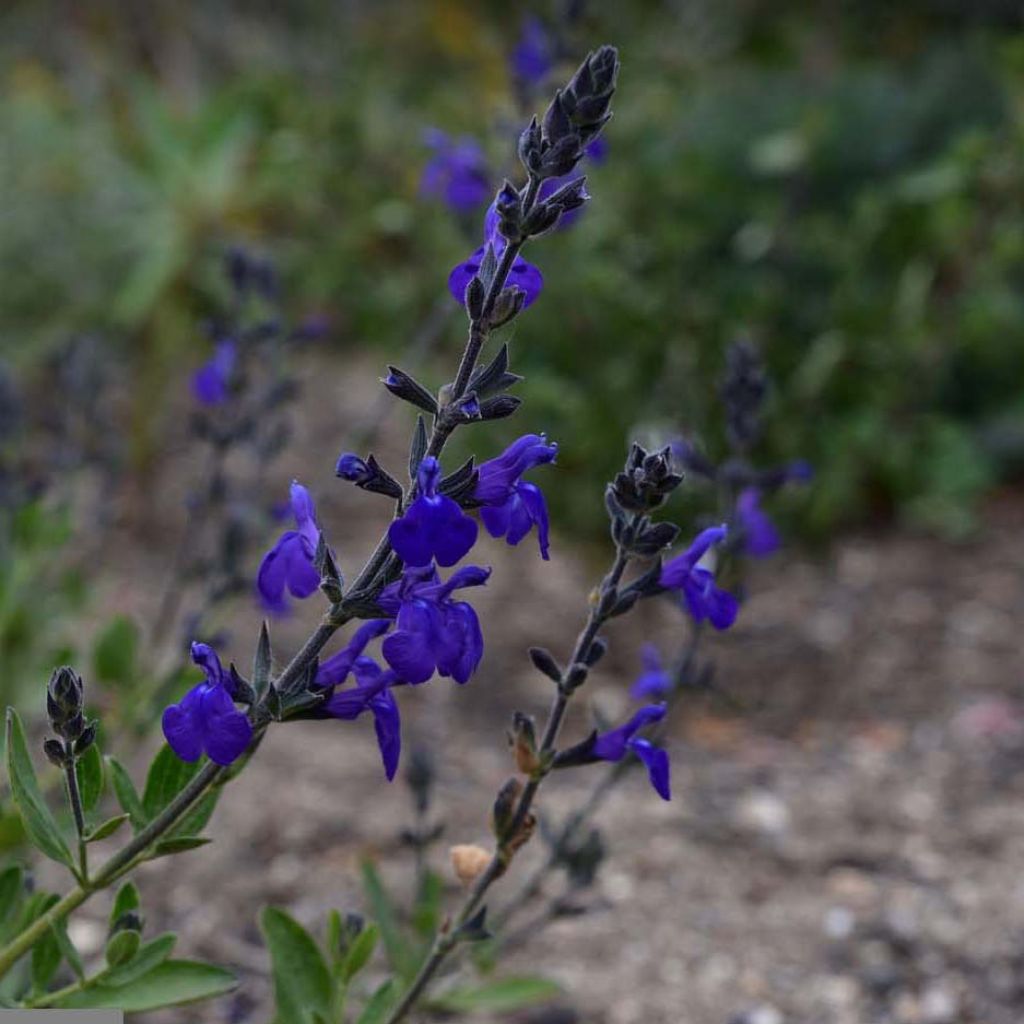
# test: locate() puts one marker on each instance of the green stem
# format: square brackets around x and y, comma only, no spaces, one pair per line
[446,941]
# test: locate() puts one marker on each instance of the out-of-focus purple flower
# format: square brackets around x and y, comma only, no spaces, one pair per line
[372,693]
[800,471]
[597,150]
[522,274]
[335,669]
[456,173]
[289,563]
[510,508]
[655,680]
[433,526]
[613,746]
[211,383]
[703,598]
[533,55]
[760,537]
[206,720]
[432,631]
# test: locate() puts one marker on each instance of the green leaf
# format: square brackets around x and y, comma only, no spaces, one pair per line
[151,953]
[380,1003]
[67,948]
[426,914]
[39,824]
[360,952]
[497,996]
[302,982]
[126,793]
[168,775]
[168,984]
[177,844]
[114,653]
[126,900]
[400,954]
[122,947]
[107,828]
[11,891]
[89,769]
[46,955]
[196,820]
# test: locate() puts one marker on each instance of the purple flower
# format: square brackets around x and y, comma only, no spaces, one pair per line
[523,275]
[655,680]
[432,631]
[289,563]
[456,173]
[334,671]
[372,693]
[433,527]
[613,746]
[533,55]
[211,382]
[702,597]
[511,508]
[760,538]
[206,720]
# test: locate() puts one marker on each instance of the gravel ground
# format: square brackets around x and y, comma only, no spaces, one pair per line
[845,841]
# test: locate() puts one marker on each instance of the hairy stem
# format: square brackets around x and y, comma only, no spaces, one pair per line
[75,800]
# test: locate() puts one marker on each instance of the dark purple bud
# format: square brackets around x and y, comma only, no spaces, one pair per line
[499,408]
[403,386]
[56,752]
[544,662]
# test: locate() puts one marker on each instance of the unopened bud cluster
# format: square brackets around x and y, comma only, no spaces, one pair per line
[65,705]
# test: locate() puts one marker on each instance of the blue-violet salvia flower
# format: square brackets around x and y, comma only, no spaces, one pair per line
[760,537]
[206,720]
[211,383]
[533,55]
[456,173]
[522,274]
[433,526]
[432,631]
[655,680]
[613,746]
[371,693]
[703,598]
[334,670]
[510,508]
[289,563]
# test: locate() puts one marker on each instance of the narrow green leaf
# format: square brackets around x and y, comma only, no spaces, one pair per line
[67,948]
[11,891]
[497,996]
[114,653]
[126,900]
[46,955]
[90,777]
[177,844]
[426,914]
[168,775]
[400,953]
[168,984]
[149,954]
[302,982]
[376,1010]
[39,823]
[107,828]
[360,952]
[196,820]
[126,793]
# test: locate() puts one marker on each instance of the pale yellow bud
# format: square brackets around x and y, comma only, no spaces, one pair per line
[469,862]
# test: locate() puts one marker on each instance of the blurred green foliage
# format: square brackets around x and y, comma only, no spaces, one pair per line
[843,184]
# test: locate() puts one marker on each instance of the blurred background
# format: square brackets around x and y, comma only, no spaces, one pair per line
[839,183]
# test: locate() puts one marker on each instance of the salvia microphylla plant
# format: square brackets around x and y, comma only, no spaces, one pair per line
[412,600]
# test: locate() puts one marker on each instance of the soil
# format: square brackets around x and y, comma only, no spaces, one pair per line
[845,841]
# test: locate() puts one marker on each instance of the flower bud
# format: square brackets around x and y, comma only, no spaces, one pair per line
[523,741]
[505,806]
[469,862]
